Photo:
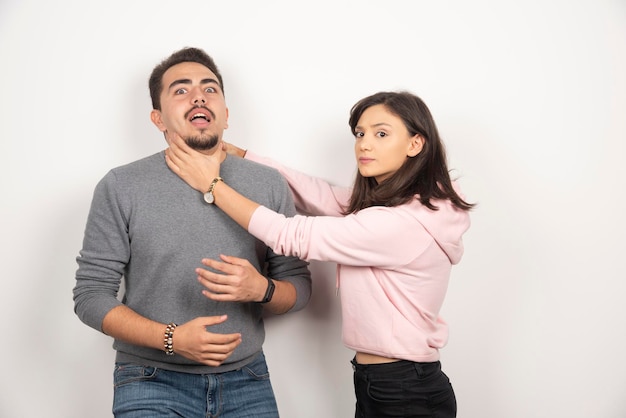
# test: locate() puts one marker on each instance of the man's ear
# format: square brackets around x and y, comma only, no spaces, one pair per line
[155,117]
[226,124]
[416,145]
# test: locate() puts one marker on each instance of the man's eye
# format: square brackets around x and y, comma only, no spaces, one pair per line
[180,91]
[210,90]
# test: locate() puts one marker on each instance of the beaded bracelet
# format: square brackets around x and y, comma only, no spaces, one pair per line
[168,342]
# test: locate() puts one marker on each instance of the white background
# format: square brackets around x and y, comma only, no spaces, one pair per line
[529,96]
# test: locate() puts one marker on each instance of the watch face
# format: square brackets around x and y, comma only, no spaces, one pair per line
[209,198]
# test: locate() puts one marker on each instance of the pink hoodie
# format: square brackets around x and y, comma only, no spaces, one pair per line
[393,263]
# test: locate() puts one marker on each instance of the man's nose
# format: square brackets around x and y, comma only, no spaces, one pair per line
[198,97]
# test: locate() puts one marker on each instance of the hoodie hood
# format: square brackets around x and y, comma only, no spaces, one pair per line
[446,225]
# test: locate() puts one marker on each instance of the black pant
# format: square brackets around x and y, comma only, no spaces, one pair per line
[403,389]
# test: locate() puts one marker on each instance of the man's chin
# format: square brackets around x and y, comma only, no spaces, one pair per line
[202,144]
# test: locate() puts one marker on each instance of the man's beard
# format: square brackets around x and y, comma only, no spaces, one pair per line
[202,142]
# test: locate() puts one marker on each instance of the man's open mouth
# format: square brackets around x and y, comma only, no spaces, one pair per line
[199,115]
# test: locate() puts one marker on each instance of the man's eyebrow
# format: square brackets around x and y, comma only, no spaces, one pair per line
[188,81]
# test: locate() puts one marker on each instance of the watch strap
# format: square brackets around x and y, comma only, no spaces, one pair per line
[214,182]
[269,292]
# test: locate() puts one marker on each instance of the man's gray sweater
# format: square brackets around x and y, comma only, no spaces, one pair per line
[148,226]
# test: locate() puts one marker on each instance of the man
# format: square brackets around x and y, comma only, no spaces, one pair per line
[185,347]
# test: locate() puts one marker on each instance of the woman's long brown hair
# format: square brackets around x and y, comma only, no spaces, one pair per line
[424,176]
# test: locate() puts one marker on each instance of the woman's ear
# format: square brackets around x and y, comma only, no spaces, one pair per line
[416,145]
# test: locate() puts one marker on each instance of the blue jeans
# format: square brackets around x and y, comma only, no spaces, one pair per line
[142,391]
[403,389]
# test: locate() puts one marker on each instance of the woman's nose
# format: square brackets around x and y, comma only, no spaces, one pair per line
[364,143]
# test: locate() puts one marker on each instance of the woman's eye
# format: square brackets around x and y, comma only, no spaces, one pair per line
[358,135]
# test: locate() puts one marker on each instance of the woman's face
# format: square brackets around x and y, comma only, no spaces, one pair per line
[383,143]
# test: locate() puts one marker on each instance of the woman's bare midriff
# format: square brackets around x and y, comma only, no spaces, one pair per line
[366,358]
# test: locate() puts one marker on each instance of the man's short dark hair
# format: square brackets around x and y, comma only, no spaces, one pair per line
[155,84]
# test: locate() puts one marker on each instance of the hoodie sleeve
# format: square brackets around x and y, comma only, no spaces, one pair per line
[378,236]
[312,195]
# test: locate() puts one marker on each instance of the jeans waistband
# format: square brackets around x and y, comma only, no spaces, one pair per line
[393,366]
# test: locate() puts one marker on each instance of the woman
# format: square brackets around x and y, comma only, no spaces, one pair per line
[395,236]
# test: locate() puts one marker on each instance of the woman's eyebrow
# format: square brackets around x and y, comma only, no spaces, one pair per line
[375,125]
